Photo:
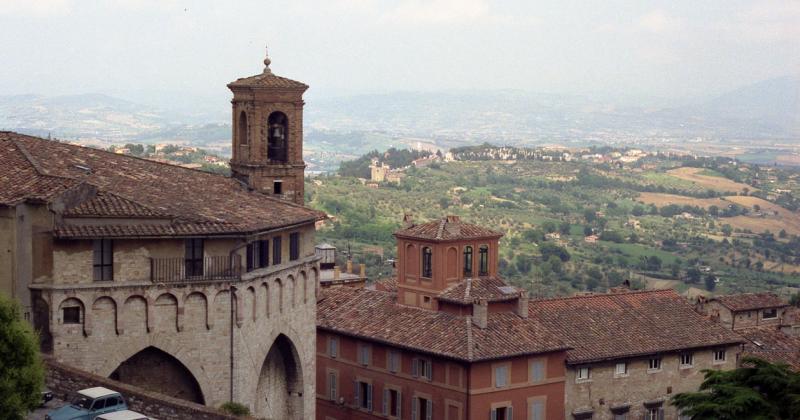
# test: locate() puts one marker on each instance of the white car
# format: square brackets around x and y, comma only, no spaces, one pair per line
[123,415]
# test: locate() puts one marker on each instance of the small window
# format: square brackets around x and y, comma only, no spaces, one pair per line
[363,395]
[621,369]
[537,371]
[277,249]
[333,386]
[103,261]
[333,347]
[277,187]
[770,313]
[719,356]
[654,363]
[394,361]
[426,300]
[583,373]
[294,246]
[654,413]
[71,315]
[364,353]
[537,410]
[686,359]
[391,403]
[257,255]
[502,413]
[427,262]
[421,409]
[620,415]
[422,368]
[194,257]
[467,261]
[483,255]
[501,376]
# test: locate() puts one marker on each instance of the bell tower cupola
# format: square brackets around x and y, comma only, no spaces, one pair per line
[268,134]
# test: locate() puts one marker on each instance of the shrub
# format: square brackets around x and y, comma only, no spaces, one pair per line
[235,408]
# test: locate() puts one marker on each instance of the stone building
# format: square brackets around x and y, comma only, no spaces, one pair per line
[448,339]
[631,351]
[744,310]
[188,283]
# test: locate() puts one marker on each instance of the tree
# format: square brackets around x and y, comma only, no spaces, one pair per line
[711,282]
[757,390]
[727,229]
[21,370]
[564,228]
[693,275]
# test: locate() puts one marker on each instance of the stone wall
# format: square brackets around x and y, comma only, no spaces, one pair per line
[64,380]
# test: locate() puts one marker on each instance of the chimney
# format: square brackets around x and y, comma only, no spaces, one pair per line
[350,266]
[480,313]
[336,272]
[522,305]
[453,225]
[408,220]
[362,270]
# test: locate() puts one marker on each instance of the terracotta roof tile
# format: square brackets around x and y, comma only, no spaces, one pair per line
[749,301]
[197,201]
[491,289]
[268,80]
[375,315]
[612,326]
[447,229]
[772,344]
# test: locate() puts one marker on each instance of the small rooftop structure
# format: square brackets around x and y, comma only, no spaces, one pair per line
[750,301]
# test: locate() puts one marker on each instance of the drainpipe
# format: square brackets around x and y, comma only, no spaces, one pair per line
[232,291]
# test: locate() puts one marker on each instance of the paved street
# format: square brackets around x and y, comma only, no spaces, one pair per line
[40,412]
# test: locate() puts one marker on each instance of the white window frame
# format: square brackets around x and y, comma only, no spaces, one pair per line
[333,386]
[683,356]
[364,354]
[394,362]
[333,347]
[501,373]
[654,360]
[532,412]
[579,373]
[720,356]
[541,363]
[623,366]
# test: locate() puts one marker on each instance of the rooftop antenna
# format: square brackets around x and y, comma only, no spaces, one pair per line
[267,61]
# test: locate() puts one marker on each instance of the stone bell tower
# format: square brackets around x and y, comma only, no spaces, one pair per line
[268,134]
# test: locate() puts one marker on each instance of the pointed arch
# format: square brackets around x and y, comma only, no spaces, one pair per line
[156,370]
[280,383]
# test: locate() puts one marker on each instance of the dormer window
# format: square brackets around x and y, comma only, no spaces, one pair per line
[467,261]
[277,134]
[483,268]
[427,262]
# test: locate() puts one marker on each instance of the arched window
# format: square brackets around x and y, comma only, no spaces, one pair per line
[243,137]
[483,268]
[277,135]
[427,260]
[468,261]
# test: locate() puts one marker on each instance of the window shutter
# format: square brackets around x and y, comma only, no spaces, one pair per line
[428,409]
[537,410]
[493,416]
[415,367]
[263,253]
[369,397]
[414,408]
[399,405]
[385,409]
[429,371]
[660,414]
[249,256]
[510,412]
[355,394]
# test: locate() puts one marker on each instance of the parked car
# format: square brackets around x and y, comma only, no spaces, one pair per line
[88,404]
[123,415]
[46,396]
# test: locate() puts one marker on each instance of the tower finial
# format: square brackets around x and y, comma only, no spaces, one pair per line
[267,61]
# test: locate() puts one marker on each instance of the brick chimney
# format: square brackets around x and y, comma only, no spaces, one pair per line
[349,266]
[362,270]
[336,272]
[522,305]
[453,225]
[480,313]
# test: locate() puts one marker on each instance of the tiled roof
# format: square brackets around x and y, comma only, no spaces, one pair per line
[447,229]
[196,202]
[374,315]
[750,301]
[772,344]
[268,80]
[490,289]
[612,326]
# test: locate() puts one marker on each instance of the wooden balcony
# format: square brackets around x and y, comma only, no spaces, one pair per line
[177,270]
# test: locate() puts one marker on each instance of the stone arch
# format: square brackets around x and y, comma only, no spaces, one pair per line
[250,306]
[265,291]
[104,314]
[293,292]
[72,302]
[304,280]
[277,137]
[222,309]
[165,313]
[195,312]
[41,322]
[156,370]
[279,285]
[451,262]
[412,260]
[279,393]
[242,134]
[315,281]
[134,315]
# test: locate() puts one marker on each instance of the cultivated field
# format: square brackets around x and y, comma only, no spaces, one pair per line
[660,200]
[715,183]
[784,219]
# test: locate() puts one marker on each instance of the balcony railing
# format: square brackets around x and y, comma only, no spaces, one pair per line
[172,270]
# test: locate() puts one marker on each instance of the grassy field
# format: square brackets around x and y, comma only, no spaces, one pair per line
[715,182]
[660,199]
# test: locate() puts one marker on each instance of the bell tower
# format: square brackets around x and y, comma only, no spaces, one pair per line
[268,134]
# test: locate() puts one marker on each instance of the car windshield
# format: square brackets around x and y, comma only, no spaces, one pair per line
[82,401]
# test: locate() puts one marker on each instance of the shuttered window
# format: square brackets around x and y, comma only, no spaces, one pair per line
[103,260]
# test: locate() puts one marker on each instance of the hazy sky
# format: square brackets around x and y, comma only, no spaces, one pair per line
[136,48]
